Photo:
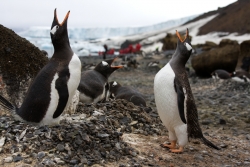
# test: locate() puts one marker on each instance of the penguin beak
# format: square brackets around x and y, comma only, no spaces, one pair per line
[179,36]
[115,67]
[56,22]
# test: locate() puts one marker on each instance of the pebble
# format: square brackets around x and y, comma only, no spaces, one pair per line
[198,157]
[17,158]
[60,147]
[95,138]
[59,161]
[222,121]
[8,159]
[40,155]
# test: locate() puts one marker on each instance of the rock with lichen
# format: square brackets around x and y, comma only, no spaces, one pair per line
[20,61]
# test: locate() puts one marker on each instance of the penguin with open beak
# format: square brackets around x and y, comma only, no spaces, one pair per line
[54,86]
[174,99]
[94,85]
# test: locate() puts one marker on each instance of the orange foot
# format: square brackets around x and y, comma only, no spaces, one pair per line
[180,150]
[171,146]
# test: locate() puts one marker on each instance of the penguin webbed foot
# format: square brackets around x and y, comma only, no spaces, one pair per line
[170,146]
[179,150]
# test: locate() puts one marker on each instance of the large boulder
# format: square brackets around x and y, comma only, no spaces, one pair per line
[208,45]
[20,61]
[244,58]
[169,42]
[224,57]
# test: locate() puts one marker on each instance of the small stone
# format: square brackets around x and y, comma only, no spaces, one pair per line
[205,122]
[222,121]
[59,161]
[17,158]
[198,157]
[8,159]
[133,153]
[248,137]
[102,135]
[2,141]
[74,161]
[40,155]
[27,160]
[223,146]
[60,147]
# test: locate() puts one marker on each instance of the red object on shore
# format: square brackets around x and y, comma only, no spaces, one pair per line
[129,49]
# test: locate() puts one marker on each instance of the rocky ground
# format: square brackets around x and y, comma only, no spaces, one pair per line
[119,134]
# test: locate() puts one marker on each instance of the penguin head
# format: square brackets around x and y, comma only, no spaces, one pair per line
[113,87]
[184,47]
[59,32]
[105,67]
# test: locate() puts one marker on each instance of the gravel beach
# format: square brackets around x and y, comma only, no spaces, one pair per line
[119,134]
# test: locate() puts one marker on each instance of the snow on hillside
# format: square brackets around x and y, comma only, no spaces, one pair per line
[103,32]
[149,36]
[80,37]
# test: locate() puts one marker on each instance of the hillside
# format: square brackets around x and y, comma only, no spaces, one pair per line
[232,18]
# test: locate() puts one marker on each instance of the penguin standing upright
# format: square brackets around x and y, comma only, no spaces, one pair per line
[93,86]
[117,91]
[55,84]
[174,99]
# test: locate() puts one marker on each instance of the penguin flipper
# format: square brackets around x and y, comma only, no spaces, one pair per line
[180,99]
[63,92]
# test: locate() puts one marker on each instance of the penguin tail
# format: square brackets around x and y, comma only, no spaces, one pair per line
[209,144]
[6,104]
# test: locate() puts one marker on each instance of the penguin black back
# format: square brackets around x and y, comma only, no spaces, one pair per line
[221,74]
[117,91]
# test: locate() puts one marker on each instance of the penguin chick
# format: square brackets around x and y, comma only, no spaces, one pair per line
[221,74]
[174,99]
[93,86]
[117,91]
[54,86]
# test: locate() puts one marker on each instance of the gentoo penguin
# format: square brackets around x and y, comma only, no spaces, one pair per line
[221,74]
[174,99]
[117,91]
[93,86]
[54,86]
[241,76]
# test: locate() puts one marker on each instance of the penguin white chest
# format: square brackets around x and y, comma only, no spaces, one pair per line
[75,76]
[166,98]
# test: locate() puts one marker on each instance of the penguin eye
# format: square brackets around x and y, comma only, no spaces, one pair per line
[54,29]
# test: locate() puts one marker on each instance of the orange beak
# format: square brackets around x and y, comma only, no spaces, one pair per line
[66,17]
[116,66]
[179,36]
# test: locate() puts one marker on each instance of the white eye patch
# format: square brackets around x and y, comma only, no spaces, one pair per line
[188,46]
[104,63]
[114,84]
[54,29]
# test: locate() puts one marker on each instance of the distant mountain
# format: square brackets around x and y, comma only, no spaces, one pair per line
[102,32]
[232,18]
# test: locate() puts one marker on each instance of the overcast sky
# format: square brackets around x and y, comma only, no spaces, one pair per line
[101,13]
